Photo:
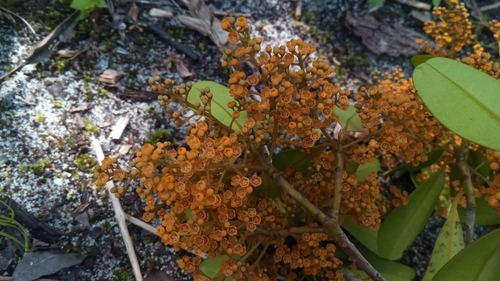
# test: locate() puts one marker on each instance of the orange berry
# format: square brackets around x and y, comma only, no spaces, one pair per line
[494,166]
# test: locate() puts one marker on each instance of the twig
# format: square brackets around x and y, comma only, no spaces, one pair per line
[25,22]
[120,125]
[120,217]
[9,278]
[331,226]
[291,230]
[415,4]
[298,9]
[337,193]
[226,14]
[489,7]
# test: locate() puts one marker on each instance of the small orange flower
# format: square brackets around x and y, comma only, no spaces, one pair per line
[102,178]
[241,21]
[253,80]
[233,37]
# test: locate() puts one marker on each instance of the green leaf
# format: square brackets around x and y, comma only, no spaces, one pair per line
[485,213]
[392,271]
[449,242]
[211,267]
[83,4]
[432,157]
[477,262]
[220,99]
[296,158]
[363,234]
[375,4]
[102,4]
[419,59]
[403,224]
[365,169]
[349,119]
[450,88]
[436,3]
[480,164]
[189,214]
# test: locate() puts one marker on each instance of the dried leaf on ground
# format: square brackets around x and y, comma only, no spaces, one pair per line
[157,275]
[155,12]
[133,13]
[202,20]
[37,264]
[41,51]
[110,77]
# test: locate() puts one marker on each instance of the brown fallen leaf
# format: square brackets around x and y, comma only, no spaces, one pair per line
[110,77]
[133,12]
[71,54]
[182,69]
[202,20]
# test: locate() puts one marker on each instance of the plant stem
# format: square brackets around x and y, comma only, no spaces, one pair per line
[331,226]
[337,193]
[292,230]
[471,199]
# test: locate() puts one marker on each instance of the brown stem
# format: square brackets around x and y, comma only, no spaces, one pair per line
[331,226]
[470,208]
[291,231]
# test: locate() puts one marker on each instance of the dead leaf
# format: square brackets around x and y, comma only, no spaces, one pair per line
[183,70]
[41,51]
[133,13]
[155,12]
[203,21]
[71,54]
[37,264]
[110,77]
[157,275]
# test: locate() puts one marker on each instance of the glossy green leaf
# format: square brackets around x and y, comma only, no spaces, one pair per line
[449,242]
[403,224]
[392,271]
[450,88]
[477,262]
[365,169]
[349,118]
[296,158]
[220,99]
[211,267]
[485,213]
[419,59]
[364,235]
[268,187]
[375,4]
[432,157]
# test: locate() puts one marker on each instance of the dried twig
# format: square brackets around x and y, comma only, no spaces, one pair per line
[415,4]
[120,217]
[18,16]
[119,127]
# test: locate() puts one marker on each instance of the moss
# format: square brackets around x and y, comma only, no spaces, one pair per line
[122,274]
[160,135]
[90,127]
[85,162]
[57,104]
[38,167]
[40,118]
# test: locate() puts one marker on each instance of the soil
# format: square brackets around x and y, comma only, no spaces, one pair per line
[51,110]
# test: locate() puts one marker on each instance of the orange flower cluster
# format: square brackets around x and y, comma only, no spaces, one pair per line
[212,193]
[451,33]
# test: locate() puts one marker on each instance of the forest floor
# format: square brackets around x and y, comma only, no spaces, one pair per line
[52,108]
